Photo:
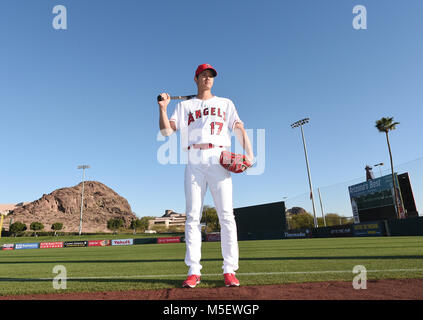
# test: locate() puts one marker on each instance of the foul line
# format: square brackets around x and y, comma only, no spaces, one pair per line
[212,275]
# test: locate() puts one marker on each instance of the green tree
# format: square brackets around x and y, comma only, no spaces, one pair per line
[211,219]
[136,224]
[57,226]
[301,221]
[385,125]
[17,228]
[114,224]
[36,226]
[144,222]
[159,228]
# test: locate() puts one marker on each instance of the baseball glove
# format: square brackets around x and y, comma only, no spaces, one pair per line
[234,162]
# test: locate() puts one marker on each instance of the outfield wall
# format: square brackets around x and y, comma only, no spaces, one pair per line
[90,243]
[406,227]
[261,222]
[395,227]
[334,231]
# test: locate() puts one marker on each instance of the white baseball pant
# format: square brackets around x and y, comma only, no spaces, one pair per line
[204,170]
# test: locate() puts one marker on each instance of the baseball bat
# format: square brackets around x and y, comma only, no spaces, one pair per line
[159,97]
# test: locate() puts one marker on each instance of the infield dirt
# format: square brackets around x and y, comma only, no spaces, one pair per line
[405,289]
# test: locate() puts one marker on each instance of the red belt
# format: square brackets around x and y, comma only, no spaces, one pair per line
[203,146]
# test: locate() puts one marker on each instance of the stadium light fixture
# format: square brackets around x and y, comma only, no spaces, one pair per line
[379,165]
[300,124]
[83,167]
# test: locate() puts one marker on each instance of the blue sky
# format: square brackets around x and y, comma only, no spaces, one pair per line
[86,95]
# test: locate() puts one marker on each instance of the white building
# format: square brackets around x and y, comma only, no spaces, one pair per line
[169,219]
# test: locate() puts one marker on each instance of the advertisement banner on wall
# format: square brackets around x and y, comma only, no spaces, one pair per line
[51,245]
[8,246]
[19,246]
[213,237]
[169,240]
[99,243]
[73,244]
[123,242]
[368,229]
[341,231]
[297,234]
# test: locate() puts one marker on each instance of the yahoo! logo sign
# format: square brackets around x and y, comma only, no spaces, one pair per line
[124,242]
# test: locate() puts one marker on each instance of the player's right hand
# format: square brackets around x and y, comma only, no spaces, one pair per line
[166,99]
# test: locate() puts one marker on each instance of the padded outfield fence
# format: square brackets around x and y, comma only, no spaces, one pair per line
[395,227]
[90,243]
[268,221]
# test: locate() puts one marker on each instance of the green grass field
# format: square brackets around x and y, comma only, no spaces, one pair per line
[153,266]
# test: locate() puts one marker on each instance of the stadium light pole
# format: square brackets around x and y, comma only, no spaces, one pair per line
[300,124]
[83,167]
[321,207]
[379,165]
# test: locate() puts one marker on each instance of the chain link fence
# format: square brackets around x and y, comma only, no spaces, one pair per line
[335,199]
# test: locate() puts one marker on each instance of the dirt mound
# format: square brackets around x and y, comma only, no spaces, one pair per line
[408,289]
[64,205]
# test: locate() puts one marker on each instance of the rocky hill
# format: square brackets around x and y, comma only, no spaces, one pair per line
[64,205]
[295,211]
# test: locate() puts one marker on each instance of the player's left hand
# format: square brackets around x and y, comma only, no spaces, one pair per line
[234,162]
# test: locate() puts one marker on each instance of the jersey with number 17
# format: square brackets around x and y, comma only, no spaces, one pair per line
[205,121]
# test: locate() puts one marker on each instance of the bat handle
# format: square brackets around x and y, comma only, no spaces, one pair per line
[159,98]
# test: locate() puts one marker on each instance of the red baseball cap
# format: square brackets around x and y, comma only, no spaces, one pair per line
[203,67]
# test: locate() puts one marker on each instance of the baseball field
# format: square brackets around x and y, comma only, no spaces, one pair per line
[161,266]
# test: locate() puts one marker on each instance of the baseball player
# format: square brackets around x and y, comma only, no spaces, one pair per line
[205,123]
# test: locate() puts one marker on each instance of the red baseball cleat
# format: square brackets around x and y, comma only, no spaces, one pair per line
[231,280]
[191,281]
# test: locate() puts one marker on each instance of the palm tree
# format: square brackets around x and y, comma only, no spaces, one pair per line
[386,125]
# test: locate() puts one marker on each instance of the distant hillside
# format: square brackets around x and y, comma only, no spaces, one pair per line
[295,211]
[64,205]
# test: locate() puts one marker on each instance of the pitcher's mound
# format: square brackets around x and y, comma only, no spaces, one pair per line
[410,289]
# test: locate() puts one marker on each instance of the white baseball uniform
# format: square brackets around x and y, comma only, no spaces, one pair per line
[207,122]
